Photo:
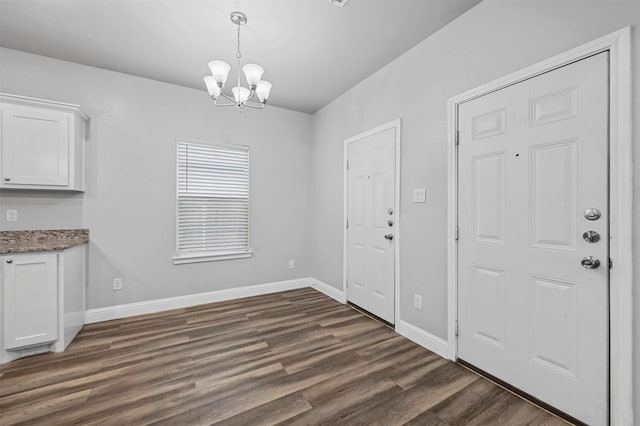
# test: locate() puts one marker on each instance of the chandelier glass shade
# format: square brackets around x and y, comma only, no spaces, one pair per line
[241,96]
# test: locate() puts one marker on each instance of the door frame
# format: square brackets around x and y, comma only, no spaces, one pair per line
[620,206]
[396,208]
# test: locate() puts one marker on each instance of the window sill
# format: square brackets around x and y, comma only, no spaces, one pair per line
[180,259]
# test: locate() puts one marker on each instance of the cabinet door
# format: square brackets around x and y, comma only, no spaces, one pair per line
[35,146]
[30,300]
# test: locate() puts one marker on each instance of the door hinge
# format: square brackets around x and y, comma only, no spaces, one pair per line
[456,330]
[347,164]
[347,223]
[610,263]
[457,232]
[457,137]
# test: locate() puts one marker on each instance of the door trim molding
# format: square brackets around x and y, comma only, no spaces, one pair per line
[620,205]
[397,124]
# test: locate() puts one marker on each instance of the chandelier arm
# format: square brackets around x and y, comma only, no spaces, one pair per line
[215,102]
[224,95]
[260,106]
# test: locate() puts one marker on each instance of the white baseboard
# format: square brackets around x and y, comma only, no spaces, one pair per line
[423,338]
[329,290]
[411,332]
[417,335]
[151,306]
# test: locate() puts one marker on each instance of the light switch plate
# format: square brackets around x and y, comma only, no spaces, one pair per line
[420,195]
[12,215]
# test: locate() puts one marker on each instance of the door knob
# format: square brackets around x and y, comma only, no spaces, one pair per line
[7,179]
[388,236]
[590,262]
[9,261]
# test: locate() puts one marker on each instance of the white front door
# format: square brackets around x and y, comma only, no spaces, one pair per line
[533,170]
[370,218]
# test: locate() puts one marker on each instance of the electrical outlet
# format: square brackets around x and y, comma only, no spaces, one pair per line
[117,284]
[417,301]
[292,264]
[12,215]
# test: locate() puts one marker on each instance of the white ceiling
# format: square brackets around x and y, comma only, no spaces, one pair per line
[311,50]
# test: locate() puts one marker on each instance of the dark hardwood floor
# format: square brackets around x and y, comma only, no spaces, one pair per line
[296,357]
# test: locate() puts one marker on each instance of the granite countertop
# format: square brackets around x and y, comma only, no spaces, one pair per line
[41,240]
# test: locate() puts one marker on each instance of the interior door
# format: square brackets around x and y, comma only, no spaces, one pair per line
[370,213]
[533,218]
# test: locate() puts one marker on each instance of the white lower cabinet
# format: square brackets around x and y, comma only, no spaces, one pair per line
[30,300]
[42,296]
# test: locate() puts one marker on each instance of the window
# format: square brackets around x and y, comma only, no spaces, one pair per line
[213,202]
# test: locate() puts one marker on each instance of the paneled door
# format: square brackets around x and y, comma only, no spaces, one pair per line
[533,238]
[370,220]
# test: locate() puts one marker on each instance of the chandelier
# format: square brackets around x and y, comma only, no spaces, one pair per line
[252,73]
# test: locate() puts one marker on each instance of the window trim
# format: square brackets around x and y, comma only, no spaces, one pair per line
[211,256]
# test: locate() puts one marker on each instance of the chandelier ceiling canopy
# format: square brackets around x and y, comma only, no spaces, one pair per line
[242,96]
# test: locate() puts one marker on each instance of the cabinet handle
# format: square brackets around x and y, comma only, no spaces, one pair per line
[9,261]
[7,179]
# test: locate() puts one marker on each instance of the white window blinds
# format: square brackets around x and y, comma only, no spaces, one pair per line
[213,199]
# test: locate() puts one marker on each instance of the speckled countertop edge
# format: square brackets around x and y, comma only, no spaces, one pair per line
[41,240]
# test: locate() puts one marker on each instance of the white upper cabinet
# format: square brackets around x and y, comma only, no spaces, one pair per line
[41,144]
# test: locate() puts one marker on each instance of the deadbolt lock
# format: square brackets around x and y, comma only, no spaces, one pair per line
[591,236]
[390,212]
[390,222]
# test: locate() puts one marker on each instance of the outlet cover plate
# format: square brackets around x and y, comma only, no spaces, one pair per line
[417,301]
[117,284]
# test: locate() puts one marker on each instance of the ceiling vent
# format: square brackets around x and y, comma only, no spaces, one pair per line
[340,3]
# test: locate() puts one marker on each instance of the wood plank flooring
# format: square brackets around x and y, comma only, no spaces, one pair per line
[291,358]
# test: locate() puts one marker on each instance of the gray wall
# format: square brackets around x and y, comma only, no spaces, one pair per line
[491,40]
[129,203]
